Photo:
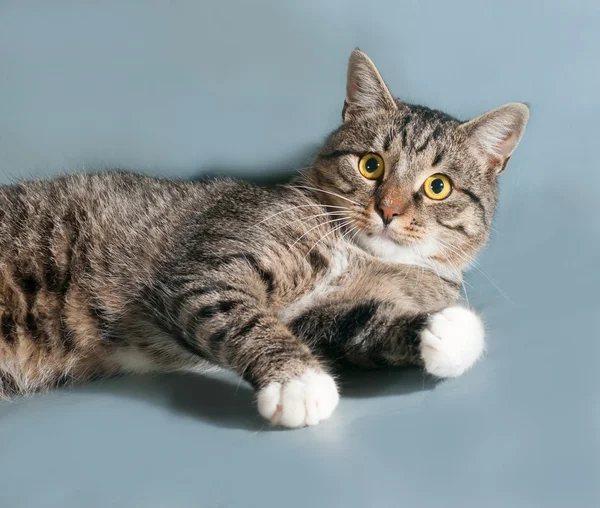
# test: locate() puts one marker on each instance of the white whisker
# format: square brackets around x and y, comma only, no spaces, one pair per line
[317,226]
[317,205]
[353,229]
[358,230]
[327,192]
[471,260]
[301,219]
[327,234]
[462,282]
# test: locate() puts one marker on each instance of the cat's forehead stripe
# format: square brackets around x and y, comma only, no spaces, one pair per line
[437,159]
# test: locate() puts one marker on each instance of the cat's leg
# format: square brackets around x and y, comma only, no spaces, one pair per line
[231,325]
[445,343]
[293,387]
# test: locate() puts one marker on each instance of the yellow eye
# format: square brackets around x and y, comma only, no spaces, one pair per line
[371,166]
[437,187]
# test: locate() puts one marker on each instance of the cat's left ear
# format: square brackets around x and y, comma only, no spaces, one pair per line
[495,134]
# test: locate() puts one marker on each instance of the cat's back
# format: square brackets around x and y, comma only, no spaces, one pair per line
[100,193]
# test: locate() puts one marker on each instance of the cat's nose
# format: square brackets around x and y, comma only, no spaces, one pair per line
[388,213]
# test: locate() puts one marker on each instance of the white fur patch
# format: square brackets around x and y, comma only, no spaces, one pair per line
[419,255]
[322,288]
[452,342]
[132,360]
[305,400]
[388,250]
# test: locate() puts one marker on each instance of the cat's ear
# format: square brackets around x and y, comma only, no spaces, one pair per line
[365,90]
[495,134]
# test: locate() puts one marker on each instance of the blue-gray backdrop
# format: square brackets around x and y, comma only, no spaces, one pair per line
[186,88]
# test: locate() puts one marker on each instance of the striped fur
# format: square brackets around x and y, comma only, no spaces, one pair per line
[116,272]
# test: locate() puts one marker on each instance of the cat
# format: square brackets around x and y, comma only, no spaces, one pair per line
[358,260]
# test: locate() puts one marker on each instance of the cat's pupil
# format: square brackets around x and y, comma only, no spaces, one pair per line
[372,165]
[437,185]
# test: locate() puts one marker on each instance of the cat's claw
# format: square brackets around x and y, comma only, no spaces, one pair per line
[452,341]
[304,400]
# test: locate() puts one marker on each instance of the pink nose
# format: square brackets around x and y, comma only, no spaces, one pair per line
[388,213]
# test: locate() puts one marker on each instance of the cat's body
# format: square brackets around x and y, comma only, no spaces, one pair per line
[109,273]
[97,271]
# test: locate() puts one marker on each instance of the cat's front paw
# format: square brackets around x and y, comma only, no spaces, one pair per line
[452,341]
[304,400]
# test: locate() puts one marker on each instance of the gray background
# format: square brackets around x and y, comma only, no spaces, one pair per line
[251,88]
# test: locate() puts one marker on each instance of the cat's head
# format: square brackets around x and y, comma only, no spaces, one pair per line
[417,185]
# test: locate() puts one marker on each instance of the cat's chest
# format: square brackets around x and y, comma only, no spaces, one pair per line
[329,282]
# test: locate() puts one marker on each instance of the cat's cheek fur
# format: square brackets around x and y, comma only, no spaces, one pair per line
[452,342]
[304,400]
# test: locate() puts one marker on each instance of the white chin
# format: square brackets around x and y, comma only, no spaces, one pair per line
[389,250]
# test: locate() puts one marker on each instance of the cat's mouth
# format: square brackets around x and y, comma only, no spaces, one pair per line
[386,234]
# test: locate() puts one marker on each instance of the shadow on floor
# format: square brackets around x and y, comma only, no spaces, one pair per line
[224,401]
[360,383]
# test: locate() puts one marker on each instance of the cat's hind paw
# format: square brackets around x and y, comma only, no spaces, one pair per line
[452,341]
[304,400]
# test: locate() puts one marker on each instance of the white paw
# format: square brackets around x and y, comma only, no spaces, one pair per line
[452,342]
[305,400]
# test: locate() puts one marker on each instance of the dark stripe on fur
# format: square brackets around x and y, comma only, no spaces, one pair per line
[152,299]
[225,335]
[473,197]
[8,386]
[332,327]
[50,275]
[403,122]
[457,285]
[402,128]
[209,311]
[337,153]
[344,109]
[407,335]
[355,319]
[8,328]
[458,228]
[36,332]
[184,296]
[31,325]
[215,341]
[351,184]
[67,335]
[423,146]
[266,276]
[248,326]
[317,260]
[29,286]
[190,344]
[213,309]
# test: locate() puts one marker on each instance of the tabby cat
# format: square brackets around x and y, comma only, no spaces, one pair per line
[359,260]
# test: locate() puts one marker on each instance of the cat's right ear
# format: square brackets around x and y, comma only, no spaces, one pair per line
[365,89]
